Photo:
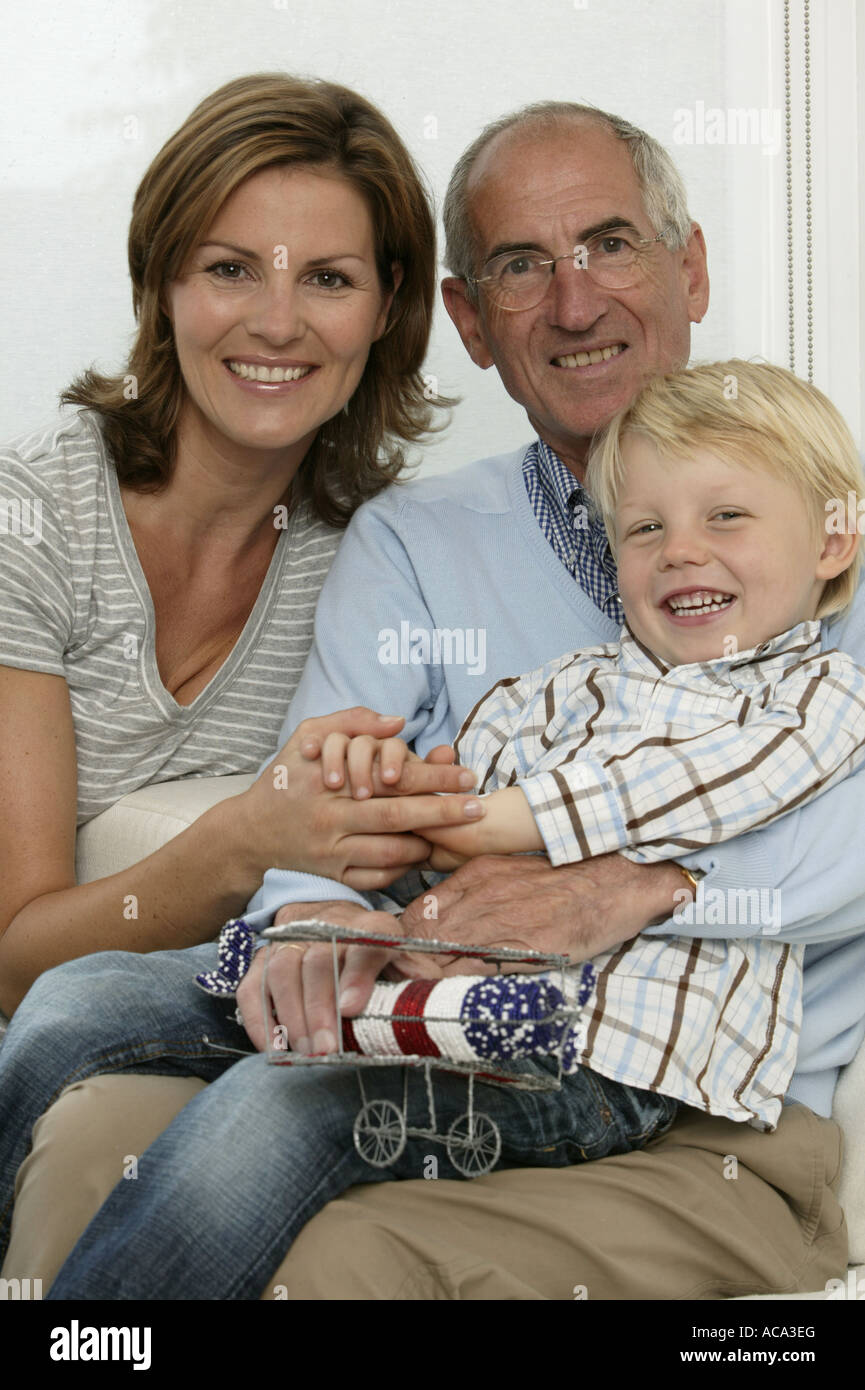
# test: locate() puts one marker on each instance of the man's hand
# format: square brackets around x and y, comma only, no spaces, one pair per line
[300,985]
[576,910]
[292,821]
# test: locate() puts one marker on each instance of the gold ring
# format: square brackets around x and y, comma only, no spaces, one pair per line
[292,946]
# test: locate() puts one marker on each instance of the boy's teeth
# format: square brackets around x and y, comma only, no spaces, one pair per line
[250,372]
[586,359]
[706,601]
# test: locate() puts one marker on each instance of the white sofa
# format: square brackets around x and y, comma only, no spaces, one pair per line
[140,823]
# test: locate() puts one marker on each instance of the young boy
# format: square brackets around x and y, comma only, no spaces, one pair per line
[716,712]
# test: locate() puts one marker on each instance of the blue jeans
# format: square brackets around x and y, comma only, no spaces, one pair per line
[222,1193]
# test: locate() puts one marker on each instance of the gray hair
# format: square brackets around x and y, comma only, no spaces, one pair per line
[660,182]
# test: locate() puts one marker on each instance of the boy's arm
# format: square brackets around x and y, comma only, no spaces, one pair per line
[813,875]
[660,800]
[486,744]
[508,827]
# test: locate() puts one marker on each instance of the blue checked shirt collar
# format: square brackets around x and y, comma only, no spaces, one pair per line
[765,662]
[564,512]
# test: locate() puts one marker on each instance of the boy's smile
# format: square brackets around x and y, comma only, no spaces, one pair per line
[693,606]
[714,557]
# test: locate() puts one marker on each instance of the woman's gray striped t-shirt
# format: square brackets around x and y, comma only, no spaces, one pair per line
[74,602]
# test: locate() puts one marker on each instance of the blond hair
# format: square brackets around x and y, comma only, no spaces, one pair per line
[250,124]
[756,415]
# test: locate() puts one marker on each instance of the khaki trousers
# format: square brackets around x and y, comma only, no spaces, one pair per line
[710,1210]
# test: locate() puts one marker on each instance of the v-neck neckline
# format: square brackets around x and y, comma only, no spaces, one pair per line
[151,679]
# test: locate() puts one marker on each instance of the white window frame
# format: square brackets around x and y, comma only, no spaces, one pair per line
[758,189]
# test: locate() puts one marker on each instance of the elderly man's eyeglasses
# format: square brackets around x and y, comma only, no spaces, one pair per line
[520,279]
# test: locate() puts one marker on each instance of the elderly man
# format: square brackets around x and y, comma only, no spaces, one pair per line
[507,546]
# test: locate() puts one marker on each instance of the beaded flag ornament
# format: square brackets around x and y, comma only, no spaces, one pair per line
[480,1025]
[464,1018]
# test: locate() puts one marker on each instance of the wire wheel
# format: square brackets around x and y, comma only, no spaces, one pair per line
[474,1144]
[379,1133]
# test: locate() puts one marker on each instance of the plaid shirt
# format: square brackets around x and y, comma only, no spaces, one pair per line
[616,751]
[573,527]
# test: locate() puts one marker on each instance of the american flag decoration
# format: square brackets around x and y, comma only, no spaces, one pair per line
[234,957]
[465,1018]
[479,1025]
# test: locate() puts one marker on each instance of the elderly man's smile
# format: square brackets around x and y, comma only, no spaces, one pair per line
[589,357]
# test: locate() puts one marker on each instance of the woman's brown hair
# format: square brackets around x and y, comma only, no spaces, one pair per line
[250,124]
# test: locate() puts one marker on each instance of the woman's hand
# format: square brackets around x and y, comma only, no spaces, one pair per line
[300,1004]
[369,766]
[291,821]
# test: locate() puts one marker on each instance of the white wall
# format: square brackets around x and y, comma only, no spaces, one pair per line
[860,126]
[91,88]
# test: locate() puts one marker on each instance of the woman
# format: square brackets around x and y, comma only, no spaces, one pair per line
[282,260]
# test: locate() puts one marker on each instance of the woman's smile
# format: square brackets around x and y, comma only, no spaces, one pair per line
[262,373]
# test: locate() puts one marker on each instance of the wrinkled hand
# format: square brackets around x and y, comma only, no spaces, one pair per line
[521,901]
[299,986]
[289,820]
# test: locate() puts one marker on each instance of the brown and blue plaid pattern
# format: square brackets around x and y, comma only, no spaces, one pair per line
[616,751]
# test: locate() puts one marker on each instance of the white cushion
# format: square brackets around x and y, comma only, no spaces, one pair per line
[141,822]
[848,1109]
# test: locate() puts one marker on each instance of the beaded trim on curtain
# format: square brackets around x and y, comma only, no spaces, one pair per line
[788,148]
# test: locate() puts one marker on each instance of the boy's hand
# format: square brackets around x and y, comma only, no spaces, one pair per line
[507,827]
[375,766]
[444,861]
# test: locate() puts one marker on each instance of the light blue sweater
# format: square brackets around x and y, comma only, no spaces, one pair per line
[463,555]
